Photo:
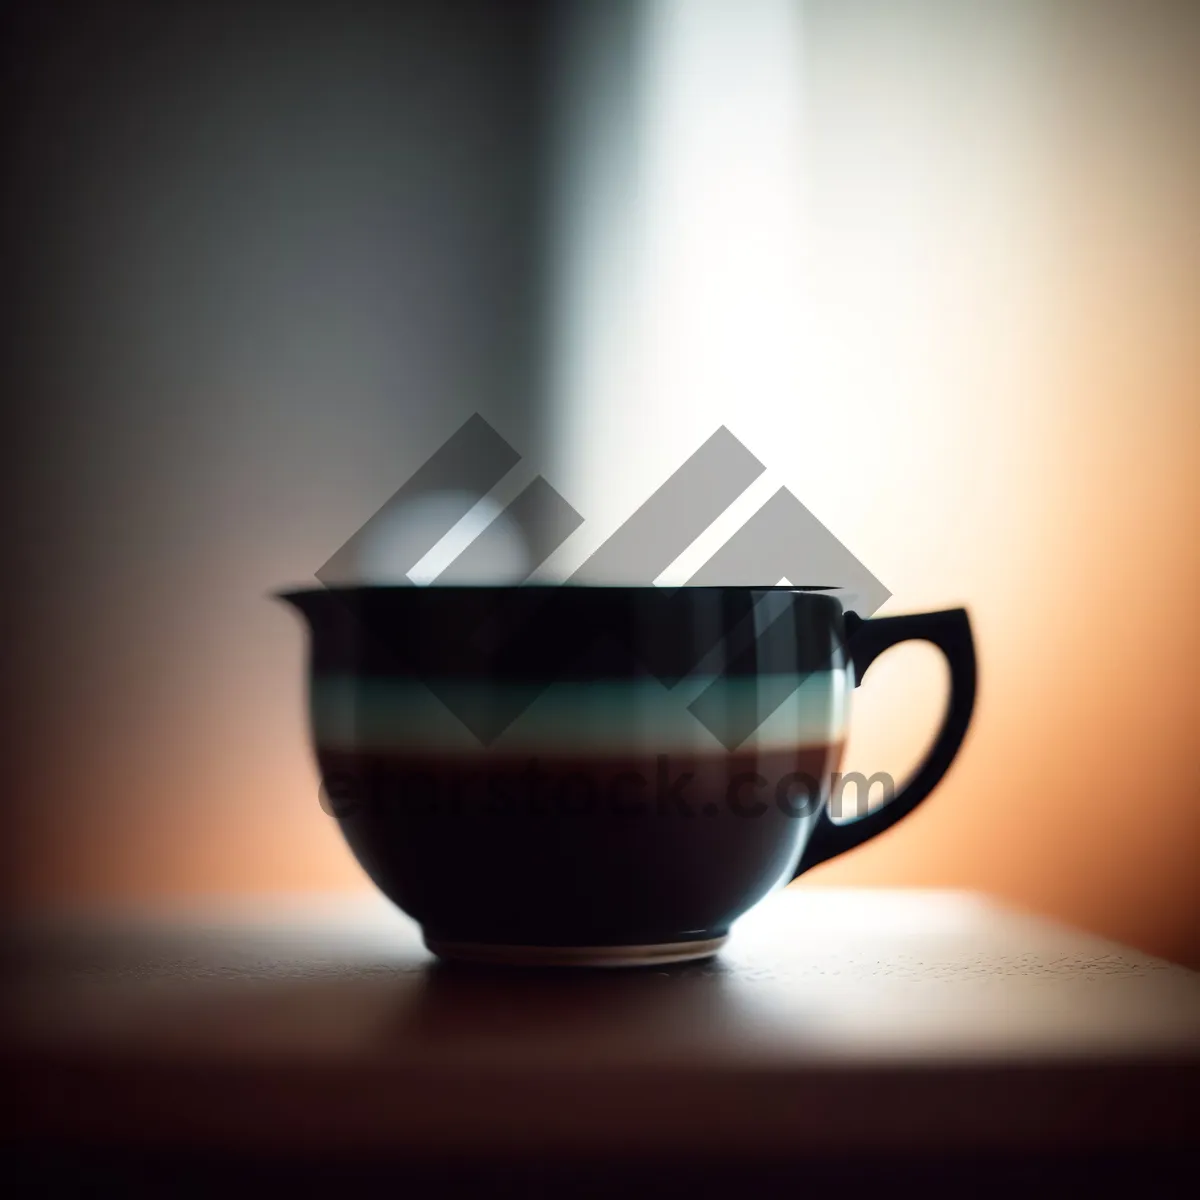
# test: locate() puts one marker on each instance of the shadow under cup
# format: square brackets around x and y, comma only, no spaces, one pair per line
[581,775]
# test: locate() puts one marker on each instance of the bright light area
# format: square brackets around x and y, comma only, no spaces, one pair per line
[680,248]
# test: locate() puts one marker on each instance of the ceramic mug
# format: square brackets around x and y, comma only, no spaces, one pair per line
[595,775]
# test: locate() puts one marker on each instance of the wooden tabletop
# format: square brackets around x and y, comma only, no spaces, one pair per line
[834,1021]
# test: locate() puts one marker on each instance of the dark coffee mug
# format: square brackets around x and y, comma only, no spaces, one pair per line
[597,775]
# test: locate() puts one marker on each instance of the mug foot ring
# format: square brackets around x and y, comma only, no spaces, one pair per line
[575,956]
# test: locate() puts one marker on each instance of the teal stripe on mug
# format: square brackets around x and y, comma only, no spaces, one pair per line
[614,716]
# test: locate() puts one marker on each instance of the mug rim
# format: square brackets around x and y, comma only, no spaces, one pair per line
[818,590]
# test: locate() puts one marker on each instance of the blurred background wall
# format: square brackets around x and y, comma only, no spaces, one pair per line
[265,258]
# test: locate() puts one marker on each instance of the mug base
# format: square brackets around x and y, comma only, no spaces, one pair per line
[575,956]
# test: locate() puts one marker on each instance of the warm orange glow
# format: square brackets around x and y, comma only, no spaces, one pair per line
[1068,515]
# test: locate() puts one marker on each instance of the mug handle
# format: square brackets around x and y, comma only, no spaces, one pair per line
[950,632]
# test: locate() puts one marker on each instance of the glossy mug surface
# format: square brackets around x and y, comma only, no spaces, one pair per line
[596,775]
